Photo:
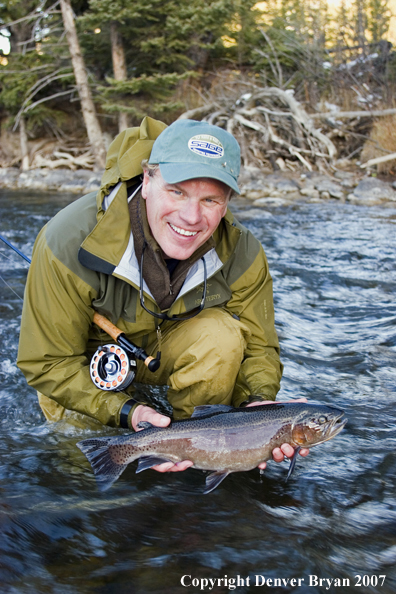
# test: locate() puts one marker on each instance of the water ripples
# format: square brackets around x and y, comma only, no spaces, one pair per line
[333,267]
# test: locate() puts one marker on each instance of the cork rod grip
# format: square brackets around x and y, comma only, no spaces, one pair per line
[106,325]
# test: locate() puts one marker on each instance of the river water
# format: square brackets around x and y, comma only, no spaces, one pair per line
[334,281]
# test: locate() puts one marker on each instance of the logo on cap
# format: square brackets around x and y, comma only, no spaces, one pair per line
[206,145]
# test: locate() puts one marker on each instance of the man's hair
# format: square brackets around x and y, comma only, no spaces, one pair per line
[151,169]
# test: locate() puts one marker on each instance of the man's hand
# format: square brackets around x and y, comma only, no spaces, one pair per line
[145,413]
[278,454]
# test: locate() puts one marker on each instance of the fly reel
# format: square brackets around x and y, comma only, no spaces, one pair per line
[112,368]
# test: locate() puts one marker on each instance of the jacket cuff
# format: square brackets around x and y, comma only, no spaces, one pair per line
[126,412]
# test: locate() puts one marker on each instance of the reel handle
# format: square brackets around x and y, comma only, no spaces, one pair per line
[117,335]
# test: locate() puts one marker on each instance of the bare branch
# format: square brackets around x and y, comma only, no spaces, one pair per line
[339,115]
[33,15]
[378,160]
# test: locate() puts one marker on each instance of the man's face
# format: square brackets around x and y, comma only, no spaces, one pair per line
[183,216]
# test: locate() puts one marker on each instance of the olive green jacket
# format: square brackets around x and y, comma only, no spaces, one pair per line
[83,261]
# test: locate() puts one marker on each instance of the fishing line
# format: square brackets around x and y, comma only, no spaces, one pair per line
[19,254]
[9,286]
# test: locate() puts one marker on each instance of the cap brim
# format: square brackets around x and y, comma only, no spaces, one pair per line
[173,173]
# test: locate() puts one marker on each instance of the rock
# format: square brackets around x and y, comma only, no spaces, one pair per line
[256,190]
[259,186]
[372,190]
[64,180]
[325,196]
[311,192]
[9,177]
[270,201]
[287,185]
[347,178]
[253,213]
[250,174]
[332,188]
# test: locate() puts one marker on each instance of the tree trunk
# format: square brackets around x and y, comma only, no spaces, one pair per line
[119,66]
[87,105]
[361,24]
[24,145]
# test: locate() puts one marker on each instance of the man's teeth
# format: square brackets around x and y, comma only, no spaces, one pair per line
[183,231]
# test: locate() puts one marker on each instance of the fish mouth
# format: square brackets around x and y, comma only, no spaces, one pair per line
[335,427]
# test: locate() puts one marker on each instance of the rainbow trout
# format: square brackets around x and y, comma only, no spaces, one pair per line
[218,438]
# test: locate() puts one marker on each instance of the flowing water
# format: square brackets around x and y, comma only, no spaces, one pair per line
[335,520]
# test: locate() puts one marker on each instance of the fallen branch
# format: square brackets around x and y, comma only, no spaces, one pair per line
[84,161]
[378,160]
[269,124]
[339,115]
[198,112]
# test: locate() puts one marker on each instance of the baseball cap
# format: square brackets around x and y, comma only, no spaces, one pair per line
[188,149]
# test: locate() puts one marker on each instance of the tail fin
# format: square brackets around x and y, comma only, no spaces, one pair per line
[105,469]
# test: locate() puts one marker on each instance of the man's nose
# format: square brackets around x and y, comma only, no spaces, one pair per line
[191,212]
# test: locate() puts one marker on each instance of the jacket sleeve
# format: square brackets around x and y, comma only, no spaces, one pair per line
[252,301]
[56,320]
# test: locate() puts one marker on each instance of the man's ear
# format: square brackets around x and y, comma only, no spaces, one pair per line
[146,180]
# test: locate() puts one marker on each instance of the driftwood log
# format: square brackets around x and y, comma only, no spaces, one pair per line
[272,127]
[64,160]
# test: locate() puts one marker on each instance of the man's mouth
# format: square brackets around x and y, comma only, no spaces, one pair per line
[183,231]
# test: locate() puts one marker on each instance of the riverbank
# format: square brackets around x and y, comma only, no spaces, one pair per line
[261,188]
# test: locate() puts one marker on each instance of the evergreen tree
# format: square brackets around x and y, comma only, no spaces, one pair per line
[378,19]
[164,42]
[360,19]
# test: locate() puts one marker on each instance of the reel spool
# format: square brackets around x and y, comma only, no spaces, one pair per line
[112,368]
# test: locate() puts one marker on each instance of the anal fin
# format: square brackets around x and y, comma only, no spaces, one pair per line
[213,480]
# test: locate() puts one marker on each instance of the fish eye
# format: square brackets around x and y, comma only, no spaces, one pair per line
[322,420]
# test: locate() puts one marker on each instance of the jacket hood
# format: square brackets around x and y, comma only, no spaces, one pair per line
[125,154]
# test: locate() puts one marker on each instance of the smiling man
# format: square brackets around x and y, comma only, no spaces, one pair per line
[166,261]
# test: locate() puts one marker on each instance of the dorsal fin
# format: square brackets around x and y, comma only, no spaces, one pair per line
[206,410]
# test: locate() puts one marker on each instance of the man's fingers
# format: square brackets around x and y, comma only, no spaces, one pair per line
[170,467]
[287,450]
[165,467]
[146,414]
[278,454]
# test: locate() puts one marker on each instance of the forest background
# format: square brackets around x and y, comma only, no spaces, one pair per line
[73,73]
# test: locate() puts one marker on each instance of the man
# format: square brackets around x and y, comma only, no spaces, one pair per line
[165,260]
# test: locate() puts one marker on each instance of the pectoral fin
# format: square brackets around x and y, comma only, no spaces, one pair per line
[213,480]
[292,463]
[146,462]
